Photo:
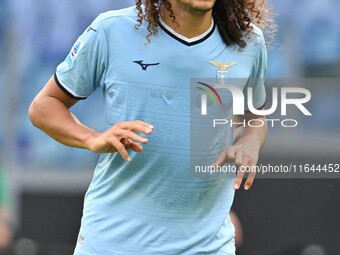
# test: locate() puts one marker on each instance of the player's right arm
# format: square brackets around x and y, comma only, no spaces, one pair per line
[50,112]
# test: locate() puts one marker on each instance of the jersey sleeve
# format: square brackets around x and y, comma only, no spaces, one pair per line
[83,70]
[257,77]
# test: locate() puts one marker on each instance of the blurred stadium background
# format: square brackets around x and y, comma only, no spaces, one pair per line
[43,182]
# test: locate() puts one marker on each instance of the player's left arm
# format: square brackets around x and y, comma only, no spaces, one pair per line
[248,142]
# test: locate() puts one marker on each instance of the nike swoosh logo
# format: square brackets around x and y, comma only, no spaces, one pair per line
[90,28]
[145,66]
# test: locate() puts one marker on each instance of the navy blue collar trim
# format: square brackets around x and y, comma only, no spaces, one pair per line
[185,42]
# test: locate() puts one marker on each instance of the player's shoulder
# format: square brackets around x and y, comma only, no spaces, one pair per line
[111,17]
[255,41]
[115,23]
[256,30]
[256,36]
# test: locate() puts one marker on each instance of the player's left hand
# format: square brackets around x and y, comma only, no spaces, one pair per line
[245,154]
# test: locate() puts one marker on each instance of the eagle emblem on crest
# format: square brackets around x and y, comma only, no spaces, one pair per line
[222,72]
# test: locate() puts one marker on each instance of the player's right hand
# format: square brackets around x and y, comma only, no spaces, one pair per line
[120,138]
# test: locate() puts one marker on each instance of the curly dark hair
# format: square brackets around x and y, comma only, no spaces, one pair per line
[232,17]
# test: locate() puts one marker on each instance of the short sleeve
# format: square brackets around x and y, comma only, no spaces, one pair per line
[257,77]
[84,68]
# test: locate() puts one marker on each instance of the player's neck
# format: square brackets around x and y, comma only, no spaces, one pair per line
[187,24]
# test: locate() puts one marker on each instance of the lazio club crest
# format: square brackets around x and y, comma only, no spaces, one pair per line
[222,73]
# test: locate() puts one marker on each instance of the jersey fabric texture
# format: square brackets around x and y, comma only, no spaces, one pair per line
[151,205]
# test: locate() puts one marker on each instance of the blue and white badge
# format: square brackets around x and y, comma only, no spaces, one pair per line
[74,52]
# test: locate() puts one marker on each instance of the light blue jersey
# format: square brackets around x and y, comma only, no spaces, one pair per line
[151,205]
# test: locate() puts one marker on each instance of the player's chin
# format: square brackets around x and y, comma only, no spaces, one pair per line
[204,5]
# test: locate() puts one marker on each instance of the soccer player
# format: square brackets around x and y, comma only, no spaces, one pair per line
[142,199]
